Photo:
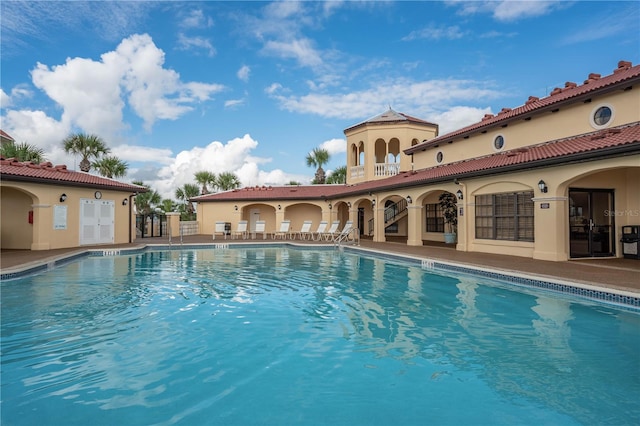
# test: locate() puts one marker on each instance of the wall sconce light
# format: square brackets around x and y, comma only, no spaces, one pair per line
[279,207]
[409,199]
[373,203]
[125,202]
[63,197]
[235,207]
[543,186]
[330,206]
[459,194]
[349,204]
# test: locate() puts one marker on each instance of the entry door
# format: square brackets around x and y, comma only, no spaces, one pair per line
[591,223]
[97,219]
[254,215]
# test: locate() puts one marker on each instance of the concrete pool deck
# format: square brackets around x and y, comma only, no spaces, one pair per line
[607,273]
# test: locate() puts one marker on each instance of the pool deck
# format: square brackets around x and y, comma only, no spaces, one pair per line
[607,273]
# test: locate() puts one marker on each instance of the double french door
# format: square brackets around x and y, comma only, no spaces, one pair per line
[591,223]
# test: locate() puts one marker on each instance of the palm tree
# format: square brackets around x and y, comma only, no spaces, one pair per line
[167,205]
[339,175]
[188,191]
[111,167]
[146,201]
[205,178]
[88,146]
[318,158]
[22,152]
[228,181]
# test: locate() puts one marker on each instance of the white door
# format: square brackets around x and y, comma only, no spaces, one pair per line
[97,219]
[254,215]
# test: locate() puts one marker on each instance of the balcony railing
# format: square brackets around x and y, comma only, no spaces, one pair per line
[386,169]
[357,172]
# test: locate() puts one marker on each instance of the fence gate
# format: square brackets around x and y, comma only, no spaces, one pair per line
[151,225]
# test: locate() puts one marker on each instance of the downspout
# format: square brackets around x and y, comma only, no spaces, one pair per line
[130,214]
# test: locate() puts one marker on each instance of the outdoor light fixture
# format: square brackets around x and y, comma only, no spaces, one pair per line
[235,207]
[63,197]
[543,186]
[459,194]
[349,204]
[409,199]
[125,202]
[279,207]
[330,206]
[373,203]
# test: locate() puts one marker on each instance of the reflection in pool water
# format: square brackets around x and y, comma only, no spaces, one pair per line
[289,336]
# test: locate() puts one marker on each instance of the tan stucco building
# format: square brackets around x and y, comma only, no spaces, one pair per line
[555,178]
[45,207]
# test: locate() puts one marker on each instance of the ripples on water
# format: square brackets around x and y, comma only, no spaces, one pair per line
[283,336]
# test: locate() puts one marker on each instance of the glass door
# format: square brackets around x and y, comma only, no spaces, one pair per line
[591,223]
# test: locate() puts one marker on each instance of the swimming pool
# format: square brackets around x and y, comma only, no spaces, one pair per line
[279,335]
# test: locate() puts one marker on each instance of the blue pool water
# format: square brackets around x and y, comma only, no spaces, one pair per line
[278,336]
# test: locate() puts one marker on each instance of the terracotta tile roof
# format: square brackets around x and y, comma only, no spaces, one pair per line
[617,141]
[47,173]
[390,116]
[6,135]
[622,77]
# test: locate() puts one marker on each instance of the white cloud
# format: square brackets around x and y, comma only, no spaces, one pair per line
[5,100]
[36,128]
[196,19]
[190,43]
[436,32]
[509,10]
[233,156]
[334,146]
[458,117]
[300,49]
[243,73]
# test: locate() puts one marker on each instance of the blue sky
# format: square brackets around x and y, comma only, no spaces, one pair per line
[252,87]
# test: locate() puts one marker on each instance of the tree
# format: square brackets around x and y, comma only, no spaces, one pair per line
[146,201]
[22,152]
[449,206]
[228,181]
[318,158]
[88,146]
[294,183]
[168,205]
[189,190]
[110,166]
[339,175]
[205,178]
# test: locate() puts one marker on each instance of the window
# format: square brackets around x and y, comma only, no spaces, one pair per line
[507,216]
[498,143]
[435,220]
[439,157]
[601,116]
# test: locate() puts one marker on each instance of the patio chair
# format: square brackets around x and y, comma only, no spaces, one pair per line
[333,230]
[305,230]
[220,229]
[321,228]
[344,234]
[283,231]
[241,230]
[260,225]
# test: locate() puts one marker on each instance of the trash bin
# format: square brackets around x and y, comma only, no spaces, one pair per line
[631,242]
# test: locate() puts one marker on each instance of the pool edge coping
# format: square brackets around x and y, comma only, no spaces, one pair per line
[511,276]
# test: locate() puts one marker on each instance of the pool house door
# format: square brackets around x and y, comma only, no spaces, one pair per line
[97,219]
[591,223]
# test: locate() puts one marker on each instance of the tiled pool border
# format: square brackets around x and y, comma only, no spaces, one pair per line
[616,297]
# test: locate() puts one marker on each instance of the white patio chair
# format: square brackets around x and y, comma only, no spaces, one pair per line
[241,230]
[220,229]
[344,234]
[305,230]
[321,229]
[260,225]
[283,232]
[333,230]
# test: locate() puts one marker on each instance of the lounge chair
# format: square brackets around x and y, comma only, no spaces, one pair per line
[333,230]
[283,232]
[241,230]
[344,234]
[305,230]
[260,225]
[321,229]
[220,229]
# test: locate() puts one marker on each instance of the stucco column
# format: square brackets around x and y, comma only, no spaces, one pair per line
[42,226]
[414,225]
[464,225]
[550,228]
[378,224]
[173,219]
